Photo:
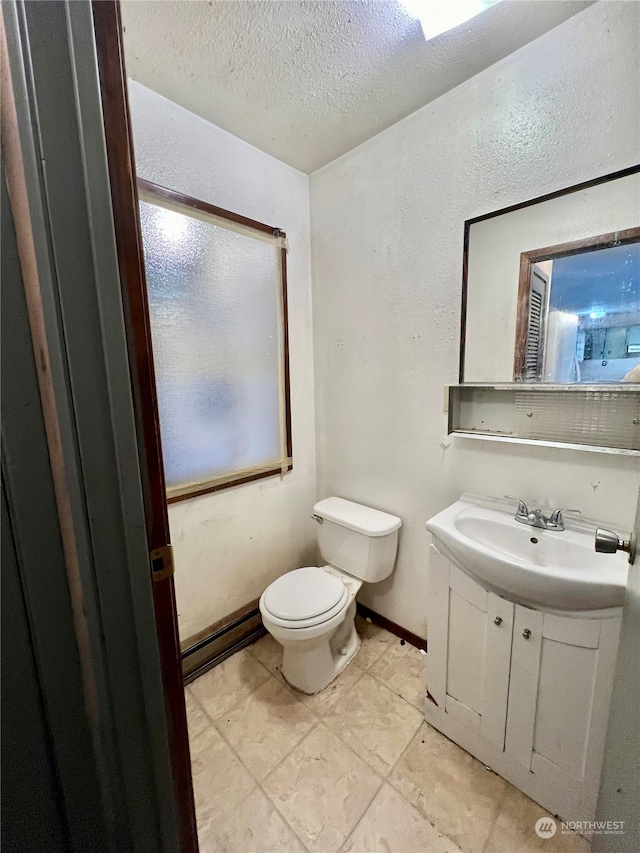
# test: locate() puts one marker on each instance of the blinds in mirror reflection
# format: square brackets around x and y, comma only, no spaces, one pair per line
[215,292]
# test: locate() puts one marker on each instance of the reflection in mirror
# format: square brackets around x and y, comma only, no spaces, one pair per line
[551,288]
[579,312]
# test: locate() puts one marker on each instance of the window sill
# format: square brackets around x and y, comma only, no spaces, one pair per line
[194,490]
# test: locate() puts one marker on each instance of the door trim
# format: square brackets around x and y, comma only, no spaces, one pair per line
[124,199]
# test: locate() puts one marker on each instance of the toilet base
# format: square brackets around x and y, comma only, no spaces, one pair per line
[311,665]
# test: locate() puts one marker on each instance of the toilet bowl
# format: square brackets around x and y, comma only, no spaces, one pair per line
[311,611]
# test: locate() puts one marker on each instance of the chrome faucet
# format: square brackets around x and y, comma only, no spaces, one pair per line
[536,517]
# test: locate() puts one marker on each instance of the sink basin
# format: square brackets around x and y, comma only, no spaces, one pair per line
[539,568]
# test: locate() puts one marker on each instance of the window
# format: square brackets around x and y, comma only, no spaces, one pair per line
[218,305]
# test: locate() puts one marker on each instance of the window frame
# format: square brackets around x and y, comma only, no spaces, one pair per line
[180,493]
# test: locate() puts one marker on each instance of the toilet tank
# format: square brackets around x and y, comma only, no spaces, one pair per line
[357,539]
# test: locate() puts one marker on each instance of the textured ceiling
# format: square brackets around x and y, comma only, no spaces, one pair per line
[307,81]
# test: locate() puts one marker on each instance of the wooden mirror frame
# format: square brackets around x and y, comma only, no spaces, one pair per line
[539,254]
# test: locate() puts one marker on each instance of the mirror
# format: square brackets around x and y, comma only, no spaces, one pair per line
[551,290]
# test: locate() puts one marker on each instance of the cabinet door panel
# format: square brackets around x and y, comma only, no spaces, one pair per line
[577,660]
[565,695]
[497,667]
[615,343]
[466,659]
[469,649]
[523,684]
[603,687]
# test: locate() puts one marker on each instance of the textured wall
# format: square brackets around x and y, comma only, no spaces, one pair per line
[231,544]
[387,223]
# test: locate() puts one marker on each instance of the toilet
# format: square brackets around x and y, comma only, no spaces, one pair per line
[311,611]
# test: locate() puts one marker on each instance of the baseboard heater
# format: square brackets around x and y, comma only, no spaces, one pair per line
[215,644]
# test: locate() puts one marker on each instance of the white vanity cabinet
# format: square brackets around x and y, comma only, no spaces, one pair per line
[525,691]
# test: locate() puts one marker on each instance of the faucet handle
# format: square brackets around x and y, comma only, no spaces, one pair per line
[556,515]
[523,509]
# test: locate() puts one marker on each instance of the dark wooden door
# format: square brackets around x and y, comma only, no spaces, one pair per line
[124,195]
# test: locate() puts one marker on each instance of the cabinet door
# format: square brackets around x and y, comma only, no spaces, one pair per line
[523,684]
[574,692]
[497,669]
[559,695]
[615,343]
[469,647]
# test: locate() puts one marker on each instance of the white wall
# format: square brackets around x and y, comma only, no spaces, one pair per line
[387,223]
[231,544]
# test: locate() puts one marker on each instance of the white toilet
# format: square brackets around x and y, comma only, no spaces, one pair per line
[310,611]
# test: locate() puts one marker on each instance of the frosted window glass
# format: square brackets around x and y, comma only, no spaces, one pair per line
[216,328]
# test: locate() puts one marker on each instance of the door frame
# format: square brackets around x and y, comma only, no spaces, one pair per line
[124,199]
[74,237]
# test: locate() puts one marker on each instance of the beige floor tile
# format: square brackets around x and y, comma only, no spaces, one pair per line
[374,722]
[265,726]
[404,670]
[324,701]
[221,687]
[254,826]
[391,825]
[197,720]
[220,782]
[514,829]
[269,652]
[374,640]
[322,789]
[452,789]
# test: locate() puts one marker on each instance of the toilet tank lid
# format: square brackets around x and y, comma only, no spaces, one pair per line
[371,522]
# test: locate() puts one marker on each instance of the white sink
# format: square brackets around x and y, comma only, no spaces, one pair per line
[544,568]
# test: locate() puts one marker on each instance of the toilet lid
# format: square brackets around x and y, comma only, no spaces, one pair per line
[303,594]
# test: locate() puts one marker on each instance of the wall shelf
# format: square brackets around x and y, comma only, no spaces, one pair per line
[602,418]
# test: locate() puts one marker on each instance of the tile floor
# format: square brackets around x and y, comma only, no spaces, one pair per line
[354,768]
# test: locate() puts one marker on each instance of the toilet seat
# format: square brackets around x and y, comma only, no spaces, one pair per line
[304,597]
